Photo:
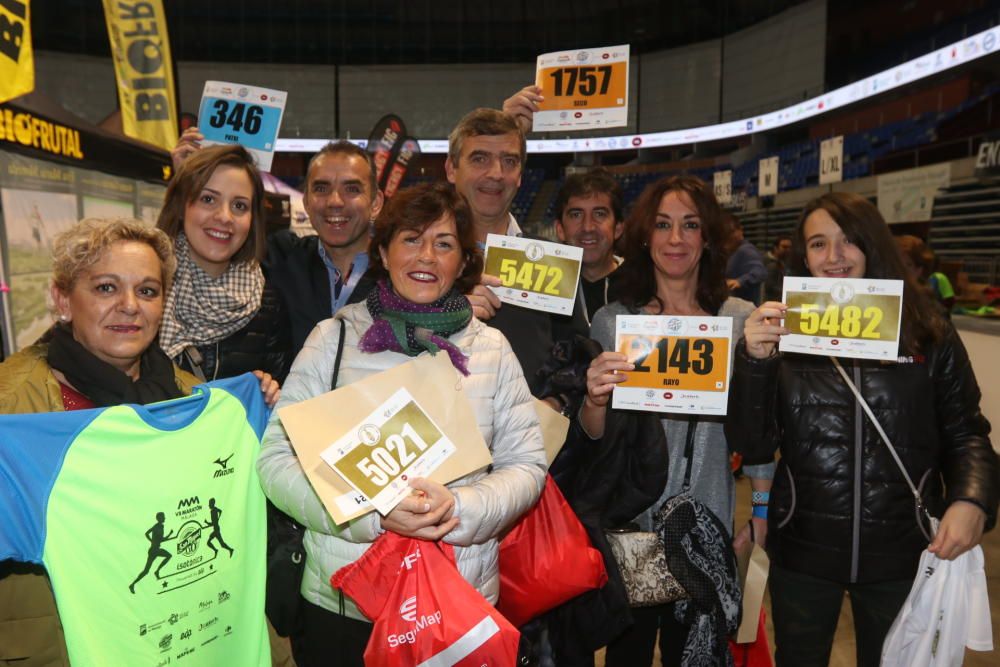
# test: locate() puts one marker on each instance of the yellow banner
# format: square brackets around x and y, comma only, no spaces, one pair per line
[140,49]
[17,63]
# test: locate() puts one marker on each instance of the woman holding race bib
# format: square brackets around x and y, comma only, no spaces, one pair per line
[222,317]
[674,265]
[424,248]
[842,515]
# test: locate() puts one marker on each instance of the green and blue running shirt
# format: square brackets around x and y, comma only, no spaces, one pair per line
[150,522]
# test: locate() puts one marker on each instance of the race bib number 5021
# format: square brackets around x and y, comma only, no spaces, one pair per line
[396,442]
[681,363]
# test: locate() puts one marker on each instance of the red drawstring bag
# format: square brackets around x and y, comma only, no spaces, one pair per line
[546,559]
[425,613]
[756,653]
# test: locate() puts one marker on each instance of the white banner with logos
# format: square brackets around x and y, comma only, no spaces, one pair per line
[908,196]
[767,177]
[831,160]
[723,185]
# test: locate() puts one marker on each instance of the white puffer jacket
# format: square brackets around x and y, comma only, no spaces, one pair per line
[487,503]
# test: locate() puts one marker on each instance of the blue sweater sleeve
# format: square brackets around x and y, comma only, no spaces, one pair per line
[32,450]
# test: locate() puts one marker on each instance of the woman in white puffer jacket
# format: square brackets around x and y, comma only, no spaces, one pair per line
[424,242]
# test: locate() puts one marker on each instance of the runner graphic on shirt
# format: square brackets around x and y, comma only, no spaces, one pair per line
[156,539]
[213,523]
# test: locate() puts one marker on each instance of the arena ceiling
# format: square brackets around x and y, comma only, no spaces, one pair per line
[367,32]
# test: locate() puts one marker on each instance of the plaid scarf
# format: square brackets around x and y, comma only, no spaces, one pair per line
[411,328]
[202,310]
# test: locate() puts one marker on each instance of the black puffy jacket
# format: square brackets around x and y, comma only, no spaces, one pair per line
[840,508]
[263,344]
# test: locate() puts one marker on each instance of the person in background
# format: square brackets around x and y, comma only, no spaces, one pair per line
[109,282]
[319,275]
[921,265]
[590,215]
[674,262]
[745,272]
[425,256]
[222,316]
[774,262]
[842,517]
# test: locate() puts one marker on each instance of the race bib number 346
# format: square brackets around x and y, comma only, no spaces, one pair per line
[231,113]
[845,318]
[396,442]
[681,363]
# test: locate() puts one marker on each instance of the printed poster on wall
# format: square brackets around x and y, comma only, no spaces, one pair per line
[722,184]
[767,178]
[908,196]
[831,160]
[38,200]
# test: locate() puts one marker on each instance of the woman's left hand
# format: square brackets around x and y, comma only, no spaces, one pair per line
[961,529]
[269,387]
[743,537]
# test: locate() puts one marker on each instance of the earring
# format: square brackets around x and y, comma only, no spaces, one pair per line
[63,318]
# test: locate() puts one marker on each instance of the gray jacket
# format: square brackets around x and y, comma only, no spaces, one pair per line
[487,502]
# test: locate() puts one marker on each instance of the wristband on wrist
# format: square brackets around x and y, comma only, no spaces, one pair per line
[759,512]
[760,497]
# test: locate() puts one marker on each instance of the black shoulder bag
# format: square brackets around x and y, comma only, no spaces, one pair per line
[286,556]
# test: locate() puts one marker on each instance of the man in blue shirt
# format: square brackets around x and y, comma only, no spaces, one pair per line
[318,275]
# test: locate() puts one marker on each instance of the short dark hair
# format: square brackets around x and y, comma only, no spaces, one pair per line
[416,208]
[192,176]
[484,122]
[865,227]
[596,181]
[779,239]
[638,274]
[344,147]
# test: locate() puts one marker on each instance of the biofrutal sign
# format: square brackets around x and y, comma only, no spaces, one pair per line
[140,49]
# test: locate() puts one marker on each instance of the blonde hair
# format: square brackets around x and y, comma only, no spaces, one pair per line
[82,245]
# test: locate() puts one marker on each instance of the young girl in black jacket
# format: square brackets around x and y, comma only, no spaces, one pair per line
[842,517]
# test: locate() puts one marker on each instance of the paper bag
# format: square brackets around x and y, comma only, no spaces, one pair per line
[314,425]
[753,565]
[554,429]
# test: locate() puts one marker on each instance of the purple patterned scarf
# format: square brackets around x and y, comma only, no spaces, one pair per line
[407,327]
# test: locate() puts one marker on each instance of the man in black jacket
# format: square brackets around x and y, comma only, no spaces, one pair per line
[318,275]
[486,153]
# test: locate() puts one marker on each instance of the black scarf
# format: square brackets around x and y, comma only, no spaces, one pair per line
[104,384]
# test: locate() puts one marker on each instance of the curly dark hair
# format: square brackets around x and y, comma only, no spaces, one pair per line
[638,274]
[417,208]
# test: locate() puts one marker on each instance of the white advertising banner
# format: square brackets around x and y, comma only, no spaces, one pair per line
[908,196]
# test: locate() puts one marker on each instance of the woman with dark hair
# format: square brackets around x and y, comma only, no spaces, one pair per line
[674,265]
[424,251]
[843,517]
[222,317]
